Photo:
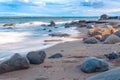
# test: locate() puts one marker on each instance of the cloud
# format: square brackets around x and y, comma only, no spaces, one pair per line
[60,7]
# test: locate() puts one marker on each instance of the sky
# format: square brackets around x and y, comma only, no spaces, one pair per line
[59,7]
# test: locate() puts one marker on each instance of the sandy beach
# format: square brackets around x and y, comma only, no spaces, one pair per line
[67,67]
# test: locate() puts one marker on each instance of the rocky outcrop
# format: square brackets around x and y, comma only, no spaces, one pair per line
[113,74]
[16,62]
[90,40]
[36,57]
[93,64]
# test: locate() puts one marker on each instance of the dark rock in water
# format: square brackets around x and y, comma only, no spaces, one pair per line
[104,37]
[117,33]
[9,25]
[57,55]
[44,29]
[16,62]
[59,35]
[90,40]
[36,57]
[52,23]
[113,55]
[93,64]
[113,74]
[50,31]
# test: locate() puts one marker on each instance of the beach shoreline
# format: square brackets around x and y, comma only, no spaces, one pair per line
[67,67]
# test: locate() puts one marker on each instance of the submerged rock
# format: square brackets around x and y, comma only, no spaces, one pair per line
[93,64]
[113,74]
[57,55]
[90,40]
[36,57]
[16,62]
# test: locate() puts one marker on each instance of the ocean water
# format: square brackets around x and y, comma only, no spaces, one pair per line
[28,34]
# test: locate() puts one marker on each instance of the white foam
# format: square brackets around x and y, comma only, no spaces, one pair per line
[12,37]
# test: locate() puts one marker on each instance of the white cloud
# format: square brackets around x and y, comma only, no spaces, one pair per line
[26,1]
[39,3]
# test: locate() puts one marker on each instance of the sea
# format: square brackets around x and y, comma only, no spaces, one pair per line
[29,33]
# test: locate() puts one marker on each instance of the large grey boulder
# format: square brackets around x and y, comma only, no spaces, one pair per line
[93,64]
[117,33]
[90,40]
[36,57]
[16,62]
[112,39]
[113,74]
[104,37]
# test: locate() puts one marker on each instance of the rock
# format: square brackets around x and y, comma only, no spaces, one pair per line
[90,26]
[16,62]
[52,23]
[117,33]
[90,40]
[49,30]
[93,64]
[36,57]
[101,31]
[9,25]
[59,35]
[113,55]
[104,37]
[57,55]
[103,17]
[112,39]
[113,74]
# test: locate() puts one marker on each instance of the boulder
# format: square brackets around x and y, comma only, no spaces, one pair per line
[36,57]
[117,33]
[113,74]
[16,62]
[93,64]
[104,37]
[112,39]
[57,55]
[90,26]
[90,40]
[103,17]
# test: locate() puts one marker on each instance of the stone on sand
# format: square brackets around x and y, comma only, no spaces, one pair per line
[112,39]
[16,62]
[113,74]
[93,64]
[57,55]
[36,57]
[90,40]
[117,33]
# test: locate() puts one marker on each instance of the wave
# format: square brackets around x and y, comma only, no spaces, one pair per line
[12,37]
[37,23]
